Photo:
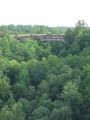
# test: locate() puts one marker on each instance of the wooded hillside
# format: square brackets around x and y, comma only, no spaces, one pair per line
[45,80]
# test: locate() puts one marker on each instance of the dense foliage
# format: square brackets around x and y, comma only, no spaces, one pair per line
[46,80]
[27,29]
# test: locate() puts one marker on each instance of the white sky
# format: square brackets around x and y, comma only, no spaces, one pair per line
[44,12]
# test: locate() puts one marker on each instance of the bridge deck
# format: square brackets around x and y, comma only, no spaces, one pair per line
[41,37]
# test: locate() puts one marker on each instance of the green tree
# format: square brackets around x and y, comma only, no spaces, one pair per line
[13,113]
[80,26]
[4,89]
[40,112]
[73,98]
[13,71]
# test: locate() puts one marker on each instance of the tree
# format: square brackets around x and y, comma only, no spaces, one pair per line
[73,98]
[61,113]
[13,113]
[13,71]
[69,36]
[80,26]
[4,89]
[37,71]
[40,113]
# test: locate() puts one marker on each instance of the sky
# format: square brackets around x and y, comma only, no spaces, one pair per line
[44,12]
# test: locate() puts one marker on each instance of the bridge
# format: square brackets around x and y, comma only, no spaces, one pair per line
[41,37]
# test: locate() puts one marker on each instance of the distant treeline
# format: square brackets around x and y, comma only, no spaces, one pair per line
[36,29]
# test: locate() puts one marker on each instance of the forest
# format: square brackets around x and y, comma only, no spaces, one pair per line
[45,80]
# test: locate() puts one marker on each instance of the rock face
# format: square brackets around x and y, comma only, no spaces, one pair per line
[41,37]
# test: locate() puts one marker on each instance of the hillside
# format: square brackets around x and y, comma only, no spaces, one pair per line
[45,80]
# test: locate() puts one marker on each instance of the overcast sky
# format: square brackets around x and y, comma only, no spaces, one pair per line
[44,12]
